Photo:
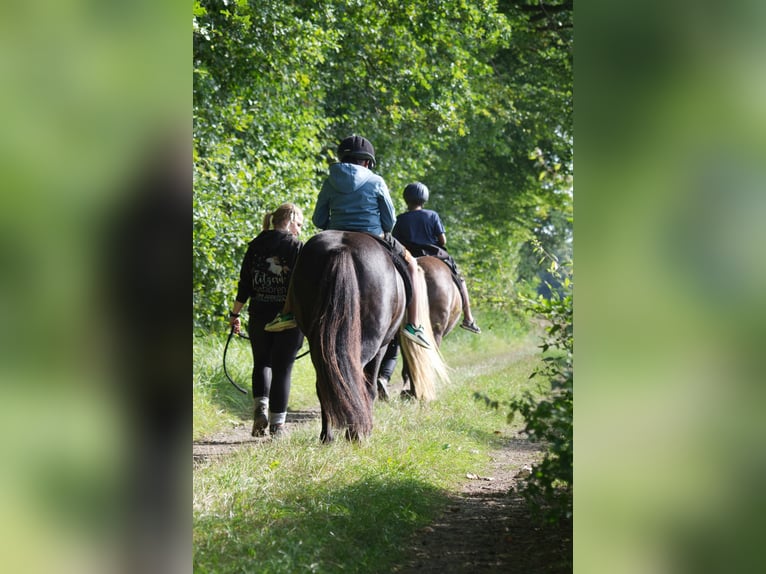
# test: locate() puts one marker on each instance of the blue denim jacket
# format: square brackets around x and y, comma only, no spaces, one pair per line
[353,198]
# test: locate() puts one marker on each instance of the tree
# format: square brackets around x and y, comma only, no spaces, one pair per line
[474,99]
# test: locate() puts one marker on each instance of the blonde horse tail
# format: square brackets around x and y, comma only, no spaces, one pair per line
[426,366]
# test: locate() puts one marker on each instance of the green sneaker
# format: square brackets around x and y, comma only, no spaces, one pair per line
[281,322]
[417,335]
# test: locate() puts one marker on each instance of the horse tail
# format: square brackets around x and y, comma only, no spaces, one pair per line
[340,374]
[426,366]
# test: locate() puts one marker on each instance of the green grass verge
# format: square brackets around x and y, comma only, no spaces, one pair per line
[217,404]
[295,505]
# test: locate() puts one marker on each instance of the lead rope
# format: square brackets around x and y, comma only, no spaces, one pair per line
[226,350]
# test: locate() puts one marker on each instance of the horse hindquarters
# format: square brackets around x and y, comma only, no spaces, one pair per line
[336,349]
[445,302]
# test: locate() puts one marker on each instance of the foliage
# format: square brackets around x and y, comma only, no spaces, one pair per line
[255,133]
[549,418]
[552,232]
[474,99]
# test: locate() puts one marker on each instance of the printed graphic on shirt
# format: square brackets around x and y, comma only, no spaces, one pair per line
[271,277]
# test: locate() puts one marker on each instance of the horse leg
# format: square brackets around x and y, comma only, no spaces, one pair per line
[408,390]
[326,436]
[352,434]
[375,388]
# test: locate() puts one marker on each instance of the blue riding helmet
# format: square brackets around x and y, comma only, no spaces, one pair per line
[416,193]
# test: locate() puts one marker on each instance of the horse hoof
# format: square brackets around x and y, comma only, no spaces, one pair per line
[407,394]
[352,435]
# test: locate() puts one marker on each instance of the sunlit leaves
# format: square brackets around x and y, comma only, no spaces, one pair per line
[453,93]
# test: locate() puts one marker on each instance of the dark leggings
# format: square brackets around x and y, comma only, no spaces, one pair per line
[273,359]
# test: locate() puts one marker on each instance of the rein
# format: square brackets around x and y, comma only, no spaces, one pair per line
[226,349]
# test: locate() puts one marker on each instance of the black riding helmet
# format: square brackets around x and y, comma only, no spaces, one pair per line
[416,193]
[357,147]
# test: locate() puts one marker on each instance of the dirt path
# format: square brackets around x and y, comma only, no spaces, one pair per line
[488,528]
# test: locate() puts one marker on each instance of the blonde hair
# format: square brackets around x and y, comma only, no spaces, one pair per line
[282,216]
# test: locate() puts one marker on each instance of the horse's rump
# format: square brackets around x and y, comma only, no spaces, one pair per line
[444,301]
[348,300]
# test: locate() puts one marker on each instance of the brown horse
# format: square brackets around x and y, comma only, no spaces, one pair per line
[445,303]
[349,301]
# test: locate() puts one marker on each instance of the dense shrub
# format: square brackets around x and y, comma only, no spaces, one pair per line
[548,416]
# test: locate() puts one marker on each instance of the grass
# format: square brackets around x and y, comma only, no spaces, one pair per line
[295,505]
[217,404]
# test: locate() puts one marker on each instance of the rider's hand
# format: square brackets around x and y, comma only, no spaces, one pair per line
[234,322]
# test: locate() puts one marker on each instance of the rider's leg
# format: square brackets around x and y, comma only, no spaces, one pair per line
[283,321]
[467,315]
[469,323]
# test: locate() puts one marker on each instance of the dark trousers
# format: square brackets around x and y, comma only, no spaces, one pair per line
[273,360]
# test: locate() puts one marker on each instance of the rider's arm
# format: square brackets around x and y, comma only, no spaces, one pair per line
[321,217]
[386,206]
[438,230]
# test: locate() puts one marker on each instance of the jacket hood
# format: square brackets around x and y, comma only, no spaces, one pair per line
[348,177]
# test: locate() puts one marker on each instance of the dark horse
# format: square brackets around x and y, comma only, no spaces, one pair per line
[444,304]
[349,301]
